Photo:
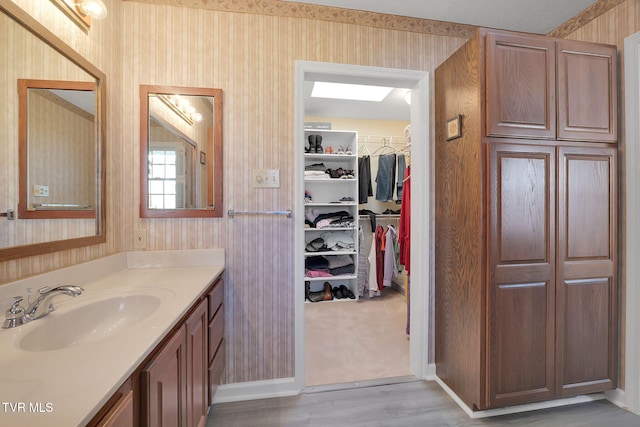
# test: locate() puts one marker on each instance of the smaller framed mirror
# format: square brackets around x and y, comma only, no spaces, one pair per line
[180,152]
[58,149]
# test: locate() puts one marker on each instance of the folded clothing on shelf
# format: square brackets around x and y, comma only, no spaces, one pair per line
[330,219]
[339,240]
[336,265]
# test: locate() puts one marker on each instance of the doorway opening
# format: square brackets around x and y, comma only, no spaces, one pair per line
[328,361]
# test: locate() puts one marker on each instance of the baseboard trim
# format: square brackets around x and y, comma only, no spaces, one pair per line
[254,390]
[431,372]
[518,408]
[618,398]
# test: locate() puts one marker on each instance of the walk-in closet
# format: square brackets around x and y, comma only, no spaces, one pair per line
[357,180]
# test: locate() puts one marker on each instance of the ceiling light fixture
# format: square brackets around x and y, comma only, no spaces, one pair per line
[82,11]
[349,91]
[181,107]
[96,9]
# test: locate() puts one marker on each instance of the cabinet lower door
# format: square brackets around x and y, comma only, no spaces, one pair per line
[520,300]
[164,385]
[587,292]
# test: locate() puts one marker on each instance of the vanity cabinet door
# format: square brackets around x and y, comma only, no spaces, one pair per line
[197,365]
[119,411]
[216,337]
[164,390]
[121,415]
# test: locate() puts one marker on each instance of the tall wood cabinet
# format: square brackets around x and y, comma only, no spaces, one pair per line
[526,220]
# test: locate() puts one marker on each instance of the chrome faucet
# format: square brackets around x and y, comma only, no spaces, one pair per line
[16,315]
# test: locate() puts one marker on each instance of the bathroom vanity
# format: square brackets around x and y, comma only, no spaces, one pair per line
[142,345]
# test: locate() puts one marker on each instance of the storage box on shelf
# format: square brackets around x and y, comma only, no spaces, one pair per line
[331,212]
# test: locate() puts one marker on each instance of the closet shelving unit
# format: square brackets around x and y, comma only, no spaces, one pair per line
[327,197]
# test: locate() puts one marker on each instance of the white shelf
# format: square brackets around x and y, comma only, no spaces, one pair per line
[321,156]
[331,278]
[330,229]
[330,204]
[329,180]
[329,253]
[326,194]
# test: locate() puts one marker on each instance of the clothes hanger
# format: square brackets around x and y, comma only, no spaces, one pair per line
[384,147]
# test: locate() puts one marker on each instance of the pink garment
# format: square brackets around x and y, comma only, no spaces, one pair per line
[318,273]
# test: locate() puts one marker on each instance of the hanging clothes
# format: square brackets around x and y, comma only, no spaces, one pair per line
[385,178]
[362,264]
[404,234]
[402,166]
[380,242]
[390,263]
[373,277]
[365,189]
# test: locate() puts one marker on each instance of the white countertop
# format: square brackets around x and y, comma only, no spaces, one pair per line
[66,387]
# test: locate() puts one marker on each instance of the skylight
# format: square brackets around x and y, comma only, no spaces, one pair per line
[349,91]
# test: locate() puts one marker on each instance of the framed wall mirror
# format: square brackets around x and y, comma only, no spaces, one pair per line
[180,152]
[57,139]
[33,58]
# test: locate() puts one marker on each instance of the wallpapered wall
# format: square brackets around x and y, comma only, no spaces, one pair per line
[252,58]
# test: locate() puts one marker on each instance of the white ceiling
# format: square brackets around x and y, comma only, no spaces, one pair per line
[533,16]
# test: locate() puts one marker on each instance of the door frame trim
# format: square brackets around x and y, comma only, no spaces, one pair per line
[631,395]
[420,205]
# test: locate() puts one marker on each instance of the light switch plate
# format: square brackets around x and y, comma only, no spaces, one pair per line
[266,178]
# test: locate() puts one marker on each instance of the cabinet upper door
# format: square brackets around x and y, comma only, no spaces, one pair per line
[520,86]
[587,93]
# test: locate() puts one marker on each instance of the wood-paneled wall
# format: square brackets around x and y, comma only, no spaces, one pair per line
[252,58]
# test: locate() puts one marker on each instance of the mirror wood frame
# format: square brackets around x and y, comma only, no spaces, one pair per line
[23,135]
[214,158]
[30,24]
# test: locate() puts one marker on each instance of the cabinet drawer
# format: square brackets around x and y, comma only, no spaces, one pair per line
[216,297]
[216,368]
[216,333]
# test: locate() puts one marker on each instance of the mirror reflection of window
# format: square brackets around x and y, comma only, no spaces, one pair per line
[163,184]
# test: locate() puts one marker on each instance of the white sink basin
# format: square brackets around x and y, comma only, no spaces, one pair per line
[89,322]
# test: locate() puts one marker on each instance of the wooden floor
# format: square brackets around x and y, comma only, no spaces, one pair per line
[415,403]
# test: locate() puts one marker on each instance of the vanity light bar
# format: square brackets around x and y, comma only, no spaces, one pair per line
[181,107]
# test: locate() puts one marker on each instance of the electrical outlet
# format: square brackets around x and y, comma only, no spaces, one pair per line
[41,190]
[140,238]
[266,178]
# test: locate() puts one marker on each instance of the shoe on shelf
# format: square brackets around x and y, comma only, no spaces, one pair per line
[346,292]
[328,295]
[312,144]
[337,293]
